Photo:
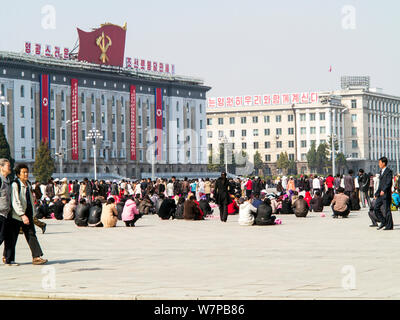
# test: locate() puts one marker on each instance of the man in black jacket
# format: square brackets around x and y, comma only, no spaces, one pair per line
[363,181]
[222,196]
[384,195]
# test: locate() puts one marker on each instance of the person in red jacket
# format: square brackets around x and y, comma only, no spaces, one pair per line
[249,188]
[308,198]
[233,207]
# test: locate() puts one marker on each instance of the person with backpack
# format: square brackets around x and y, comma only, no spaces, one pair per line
[23,212]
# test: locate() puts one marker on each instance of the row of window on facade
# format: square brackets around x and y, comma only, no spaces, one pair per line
[278,118]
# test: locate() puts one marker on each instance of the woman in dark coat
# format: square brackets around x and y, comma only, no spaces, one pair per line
[354,202]
[191,210]
[205,206]
[94,219]
[82,214]
[167,209]
[222,196]
[264,214]
[316,203]
[286,206]
[180,208]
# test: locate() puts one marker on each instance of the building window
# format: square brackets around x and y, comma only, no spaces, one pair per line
[220,134]
[23,155]
[22,132]
[220,121]
[113,118]
[313,142]
[63,134]
[303,157]
[123,120]
[290,118]
[303,143]
[290,131]
[291,144]
[122,137]
[22,113]
[291,157]
[255,132]
[113,137]
[232,133]
[140,138]
[322,130]
[322,116]
[278,118]
[267,132]
[83,135]
[354,144]
[266,119]
[103,117]
[92,117]
[255,145]
[243,120]
[113,101]
[353,104]
[313,130]
[303,130]
[32,133]
[3,111]
[277,157]
[231,120]
[148,121]
[92,98]
[140,121]
[255,119]
[354,155]
[322,141]
[83,97]
[354,131]
[268,158]
[84,154]
[244,133]
[353,118]
[52,114]
[209,134]
[32,113]
[62,115]
[102,100]
[62,96]
[52,134]
[267,144]
[312,116]
[279,131]
[244,145]
[83,116]
[279,144]
[201,124]
[209,122]
[22,92]
[302,117]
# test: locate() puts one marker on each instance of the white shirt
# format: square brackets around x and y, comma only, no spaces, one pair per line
[316,183]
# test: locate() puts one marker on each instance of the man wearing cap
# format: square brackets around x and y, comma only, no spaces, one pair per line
[64,192]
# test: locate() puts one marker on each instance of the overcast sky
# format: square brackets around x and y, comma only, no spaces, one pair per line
[237,47]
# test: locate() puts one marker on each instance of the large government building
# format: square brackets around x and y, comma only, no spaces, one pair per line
[45,94]
[364,121]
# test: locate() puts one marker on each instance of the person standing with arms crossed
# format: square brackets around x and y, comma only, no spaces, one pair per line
[383,195]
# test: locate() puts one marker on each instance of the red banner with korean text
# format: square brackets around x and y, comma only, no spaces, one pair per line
[159,123]
[74,117]
[45,108]
[133,122]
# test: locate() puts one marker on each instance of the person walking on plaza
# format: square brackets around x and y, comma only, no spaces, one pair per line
[22,215]
[349,183]
[384,195]
[222,196]
[5,195]
[364,183]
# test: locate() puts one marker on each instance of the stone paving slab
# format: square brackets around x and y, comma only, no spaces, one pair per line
[300,259]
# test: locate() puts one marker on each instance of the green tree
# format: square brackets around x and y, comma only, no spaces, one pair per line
[258,162]
[283,161]
[322,158]
[341,162]
[312,157]
[44,165]
[5,152]
[292,168]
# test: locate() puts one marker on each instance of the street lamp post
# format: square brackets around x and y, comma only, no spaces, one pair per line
[94,134]
[224,139]
[334,139]
[60,148]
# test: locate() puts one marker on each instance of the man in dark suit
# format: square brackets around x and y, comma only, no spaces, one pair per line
[222,196]
[384,195]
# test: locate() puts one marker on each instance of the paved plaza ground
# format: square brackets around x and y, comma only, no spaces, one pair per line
[312,258]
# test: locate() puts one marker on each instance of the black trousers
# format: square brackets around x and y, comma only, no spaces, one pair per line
[387,220]
[132,222]
[2,228]
[12,231]
[223,212]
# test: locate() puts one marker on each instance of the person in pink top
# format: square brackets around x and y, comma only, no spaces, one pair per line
[130,214]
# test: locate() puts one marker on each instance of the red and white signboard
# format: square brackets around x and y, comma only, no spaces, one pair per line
[74,117]
[159,123]
[147,65]
[264,100]
[133,121]
[129,63]
[38,49]
[28,47]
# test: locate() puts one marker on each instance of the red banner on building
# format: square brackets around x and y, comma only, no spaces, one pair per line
[133,122]
[159,122]
[105,45]
[74,117]
[45,108]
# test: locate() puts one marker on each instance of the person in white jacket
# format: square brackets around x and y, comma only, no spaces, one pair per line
[246,212]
